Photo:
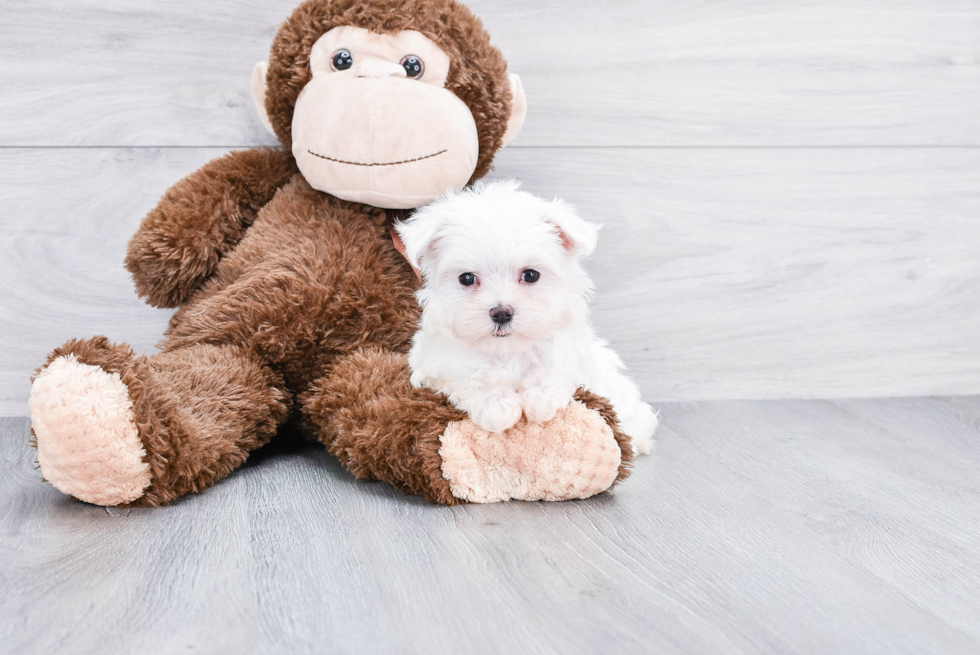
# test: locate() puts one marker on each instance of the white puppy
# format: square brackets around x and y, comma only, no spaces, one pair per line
[505,325]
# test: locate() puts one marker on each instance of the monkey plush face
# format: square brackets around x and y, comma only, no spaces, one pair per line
[397,138]
[380,113]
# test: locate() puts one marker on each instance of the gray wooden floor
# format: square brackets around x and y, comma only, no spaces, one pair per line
[791,200]
[758,527]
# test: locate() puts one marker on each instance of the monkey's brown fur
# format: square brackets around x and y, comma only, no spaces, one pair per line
[294,304]
[199,219]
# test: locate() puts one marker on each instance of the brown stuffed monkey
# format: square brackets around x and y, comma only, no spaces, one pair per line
[294,304]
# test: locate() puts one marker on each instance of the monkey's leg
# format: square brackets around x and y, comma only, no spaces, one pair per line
[371,418]
[113,428]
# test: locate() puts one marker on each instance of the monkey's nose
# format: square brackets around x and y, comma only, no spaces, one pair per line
[378,68]
[501,315]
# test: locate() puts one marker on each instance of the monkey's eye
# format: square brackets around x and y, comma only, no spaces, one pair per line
[467,279]
[414,67]
[530,276]
[342,60]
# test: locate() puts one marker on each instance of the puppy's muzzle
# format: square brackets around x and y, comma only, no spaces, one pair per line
[501,315]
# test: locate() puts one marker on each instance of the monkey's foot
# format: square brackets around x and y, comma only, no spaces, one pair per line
[574,455]
[88,444]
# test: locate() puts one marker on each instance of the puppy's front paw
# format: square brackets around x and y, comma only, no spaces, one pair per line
[497,413]
[544,396]
[541,405]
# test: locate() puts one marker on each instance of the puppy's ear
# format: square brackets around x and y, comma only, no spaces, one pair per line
[419,235]
[578,235]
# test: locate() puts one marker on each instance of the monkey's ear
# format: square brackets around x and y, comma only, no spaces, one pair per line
[258,93]
[578,235]
[518,109]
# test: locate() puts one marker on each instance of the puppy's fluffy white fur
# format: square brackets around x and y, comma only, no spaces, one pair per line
[532,364]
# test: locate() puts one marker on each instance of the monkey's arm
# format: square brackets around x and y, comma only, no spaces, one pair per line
[201,218]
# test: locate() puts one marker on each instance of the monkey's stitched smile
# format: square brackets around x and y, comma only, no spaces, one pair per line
[390,163]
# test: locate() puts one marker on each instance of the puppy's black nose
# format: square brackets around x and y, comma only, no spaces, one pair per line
[501,315]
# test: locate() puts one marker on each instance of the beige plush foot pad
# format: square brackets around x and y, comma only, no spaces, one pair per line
[87,442]
[575,455]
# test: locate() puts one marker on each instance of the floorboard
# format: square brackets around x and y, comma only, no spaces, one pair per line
[597,73]
[721,273]
[758,527]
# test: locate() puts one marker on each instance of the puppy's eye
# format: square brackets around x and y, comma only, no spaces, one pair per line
[414,67]
[530,276]
[467,279]
[342,60]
